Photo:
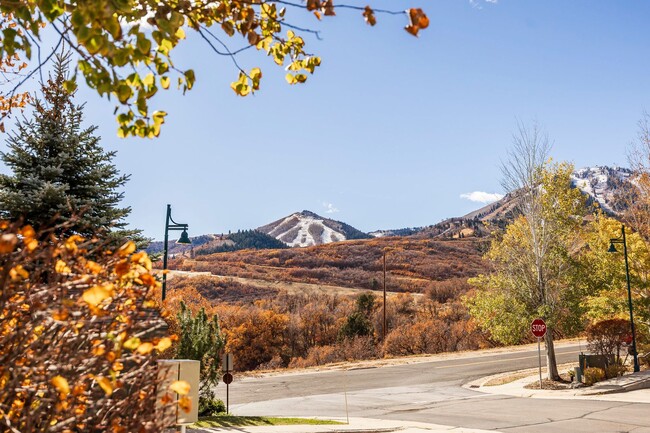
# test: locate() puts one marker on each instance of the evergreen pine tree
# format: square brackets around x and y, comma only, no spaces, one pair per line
[60,173]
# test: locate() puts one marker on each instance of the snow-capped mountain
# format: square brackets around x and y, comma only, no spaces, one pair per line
[302,229]
[600,183]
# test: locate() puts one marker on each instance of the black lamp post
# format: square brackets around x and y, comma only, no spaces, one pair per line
[184,239]
[612,249]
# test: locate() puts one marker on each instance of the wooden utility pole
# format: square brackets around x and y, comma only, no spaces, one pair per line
[383,329]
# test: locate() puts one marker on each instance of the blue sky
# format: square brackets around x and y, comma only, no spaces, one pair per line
[391,130]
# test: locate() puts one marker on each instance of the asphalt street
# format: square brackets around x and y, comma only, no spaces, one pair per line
[432,392]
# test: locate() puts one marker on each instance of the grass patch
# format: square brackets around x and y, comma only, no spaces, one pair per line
[502,380]
[516,375]
[240,421]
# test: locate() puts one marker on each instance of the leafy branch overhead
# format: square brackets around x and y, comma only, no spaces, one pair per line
[124,47]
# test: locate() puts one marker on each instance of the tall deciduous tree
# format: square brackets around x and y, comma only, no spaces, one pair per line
[532,262]
[60,173]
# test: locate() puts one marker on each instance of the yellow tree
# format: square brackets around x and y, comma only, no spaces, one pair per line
[532,261]
[603,274]
[125,47]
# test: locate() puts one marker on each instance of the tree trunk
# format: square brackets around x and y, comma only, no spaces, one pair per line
[551,363]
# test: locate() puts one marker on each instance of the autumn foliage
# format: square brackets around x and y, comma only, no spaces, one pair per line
[79,336]
[285,329]
[413,265]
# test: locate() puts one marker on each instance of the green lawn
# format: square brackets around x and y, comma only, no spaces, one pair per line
[238,421]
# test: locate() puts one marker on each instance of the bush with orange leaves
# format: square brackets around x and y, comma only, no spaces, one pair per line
[79,337]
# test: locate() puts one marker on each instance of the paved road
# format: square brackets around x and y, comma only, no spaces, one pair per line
[431,392]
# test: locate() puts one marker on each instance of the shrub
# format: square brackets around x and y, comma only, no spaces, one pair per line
[78,338]
[607,337]
[614,370]
[593,375]
[211,406]
[317,355]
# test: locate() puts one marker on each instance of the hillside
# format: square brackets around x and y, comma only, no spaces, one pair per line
[413,265]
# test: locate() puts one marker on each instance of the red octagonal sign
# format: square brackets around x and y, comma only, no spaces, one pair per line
[539,328]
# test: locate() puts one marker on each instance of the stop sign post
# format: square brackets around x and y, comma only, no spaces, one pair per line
[538,328]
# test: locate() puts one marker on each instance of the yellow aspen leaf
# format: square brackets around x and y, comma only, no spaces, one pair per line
[149,303]
[132,343]
[8,242]
[61,385]
[31,244]
[71,243]
[105,384]
[181,387]
[61,267]
[164,82]
[118,366]
[145,348]
[93,267]
[126,249]
[18,273]
[164,344]
[185,403]
[96,294]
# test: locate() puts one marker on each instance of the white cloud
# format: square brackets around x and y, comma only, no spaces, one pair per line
[477,3]
[482,197]
[329,208]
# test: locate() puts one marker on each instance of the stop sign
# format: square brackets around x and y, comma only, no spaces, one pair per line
[538,327]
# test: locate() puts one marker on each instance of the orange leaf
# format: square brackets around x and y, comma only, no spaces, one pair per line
[185,403]
[61,385]
[28,232]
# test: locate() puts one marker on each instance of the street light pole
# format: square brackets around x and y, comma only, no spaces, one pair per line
[612,249]
[184,239]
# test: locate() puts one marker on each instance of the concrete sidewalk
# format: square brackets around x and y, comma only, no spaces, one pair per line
[356,425]
[633,387]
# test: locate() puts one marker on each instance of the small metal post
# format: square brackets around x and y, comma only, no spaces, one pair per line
[539,359]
